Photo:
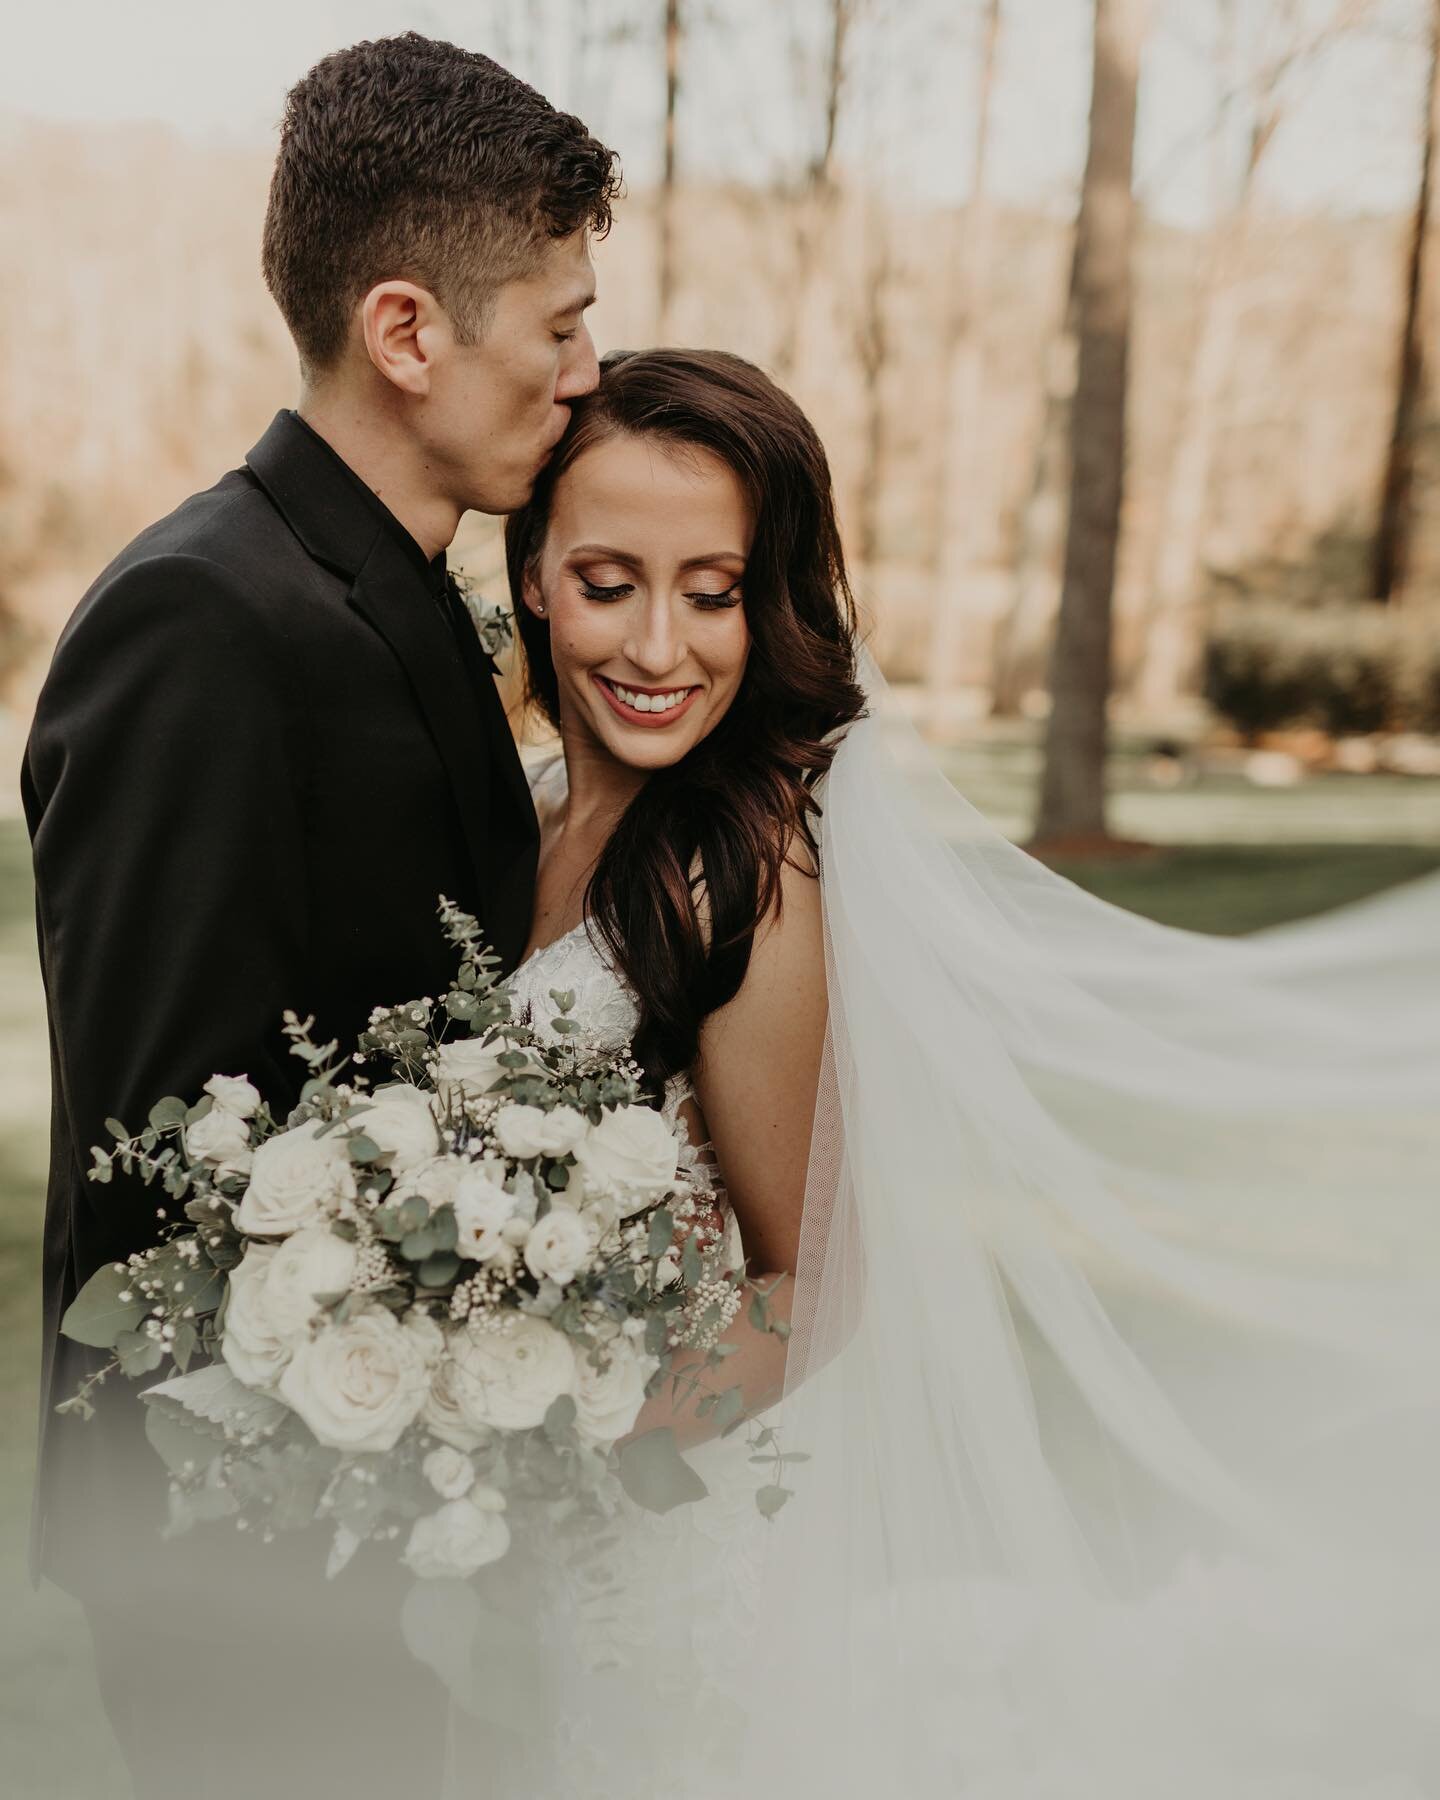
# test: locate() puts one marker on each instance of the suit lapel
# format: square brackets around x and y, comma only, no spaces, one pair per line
[389,598]
[342,526]
[482,671]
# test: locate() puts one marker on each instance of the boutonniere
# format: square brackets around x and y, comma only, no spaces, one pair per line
[494,624]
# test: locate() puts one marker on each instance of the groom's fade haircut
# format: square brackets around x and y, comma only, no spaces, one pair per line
[410,159]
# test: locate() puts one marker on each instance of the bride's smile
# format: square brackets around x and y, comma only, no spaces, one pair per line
[641,581]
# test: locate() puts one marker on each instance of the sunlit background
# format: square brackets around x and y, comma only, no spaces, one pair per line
[877,200]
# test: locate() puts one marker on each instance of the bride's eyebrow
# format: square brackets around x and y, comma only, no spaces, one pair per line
[638,562]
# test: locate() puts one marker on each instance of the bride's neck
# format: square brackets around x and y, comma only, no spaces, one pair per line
[598,787]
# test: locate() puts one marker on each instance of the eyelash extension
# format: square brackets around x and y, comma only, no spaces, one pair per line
[706,602]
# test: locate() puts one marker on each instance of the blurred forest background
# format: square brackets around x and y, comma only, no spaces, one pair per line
[1235,325]
[1121,322]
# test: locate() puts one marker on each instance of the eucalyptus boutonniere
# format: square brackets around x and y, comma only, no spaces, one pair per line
[494,624]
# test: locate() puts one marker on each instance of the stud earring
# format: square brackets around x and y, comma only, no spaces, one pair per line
[540,608]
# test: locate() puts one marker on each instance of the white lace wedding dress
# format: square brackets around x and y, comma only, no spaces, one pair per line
[615,1652]
[1115,1352]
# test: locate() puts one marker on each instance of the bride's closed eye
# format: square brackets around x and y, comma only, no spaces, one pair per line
[706,602]
[716,602]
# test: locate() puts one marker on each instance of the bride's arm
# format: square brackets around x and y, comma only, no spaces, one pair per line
[756,1082]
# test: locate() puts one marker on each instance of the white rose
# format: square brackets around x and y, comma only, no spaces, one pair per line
[456,1541]
[633,1150]
[608,1401]
[359,1385]
[435,1182]
[559,1244]
[234,1094]
[482,1211]
[449,1472]
[471,1064]
[527,1131]
[295,1178]
[444,1415]
[400,1119]
[428,1336]
[254,1351]
[508,1378]
[220,1137]
[311,1262]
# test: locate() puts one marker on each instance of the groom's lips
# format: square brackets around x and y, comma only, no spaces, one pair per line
[632,717]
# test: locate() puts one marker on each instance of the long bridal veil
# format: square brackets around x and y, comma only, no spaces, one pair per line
[1117,1339]
[1115,1360]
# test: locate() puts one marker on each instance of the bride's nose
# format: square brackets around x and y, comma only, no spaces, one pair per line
[655,647]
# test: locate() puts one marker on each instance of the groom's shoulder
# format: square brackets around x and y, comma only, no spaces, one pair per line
[222,557]
[231,529]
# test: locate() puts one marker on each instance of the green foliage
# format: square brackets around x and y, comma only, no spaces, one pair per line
[98,1314]
[1349,670]
[655,1475]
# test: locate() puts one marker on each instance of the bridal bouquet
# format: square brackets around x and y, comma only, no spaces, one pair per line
[447,1282]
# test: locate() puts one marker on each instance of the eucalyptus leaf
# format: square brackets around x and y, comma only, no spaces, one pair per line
[139,1353]
[184,1448]
[662,1230]
[655,1475]
[770,1499]
[412,1214]
[439,1270]
[168,1112]
[729,1410]
[97,1315]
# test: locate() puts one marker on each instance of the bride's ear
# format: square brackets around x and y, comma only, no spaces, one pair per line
[533,598]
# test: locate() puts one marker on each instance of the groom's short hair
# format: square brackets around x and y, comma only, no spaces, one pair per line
[411,159]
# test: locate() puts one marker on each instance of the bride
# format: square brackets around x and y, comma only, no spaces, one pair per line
[1110,1255]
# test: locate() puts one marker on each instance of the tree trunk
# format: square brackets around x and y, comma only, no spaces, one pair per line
[665,298]
[1175,624]
[961,459]
[871,350]
[1395,532]
[815,203]
[1072,791]
[1018,656]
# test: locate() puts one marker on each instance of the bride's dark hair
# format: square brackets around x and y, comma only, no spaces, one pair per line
[727,815]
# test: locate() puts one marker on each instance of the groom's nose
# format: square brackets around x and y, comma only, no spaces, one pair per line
[580,370]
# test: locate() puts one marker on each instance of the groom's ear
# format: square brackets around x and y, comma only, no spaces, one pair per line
[400,323]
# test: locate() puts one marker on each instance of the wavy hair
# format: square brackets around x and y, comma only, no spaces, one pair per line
[714,830]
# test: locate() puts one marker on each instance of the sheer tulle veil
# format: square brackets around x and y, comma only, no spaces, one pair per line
[1115,1359]
[1117,1338]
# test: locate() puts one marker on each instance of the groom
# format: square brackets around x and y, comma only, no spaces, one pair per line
[269,740]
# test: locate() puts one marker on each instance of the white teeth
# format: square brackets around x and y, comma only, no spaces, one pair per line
[649,702]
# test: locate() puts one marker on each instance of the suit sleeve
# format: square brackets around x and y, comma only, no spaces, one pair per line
[163,782]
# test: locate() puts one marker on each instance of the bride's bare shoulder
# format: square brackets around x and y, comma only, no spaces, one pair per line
[759,1066]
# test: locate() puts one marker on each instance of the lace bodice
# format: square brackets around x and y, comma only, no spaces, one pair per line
[605,1008]
[610,1633]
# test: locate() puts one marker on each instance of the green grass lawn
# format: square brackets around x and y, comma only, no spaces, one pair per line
[1232,859]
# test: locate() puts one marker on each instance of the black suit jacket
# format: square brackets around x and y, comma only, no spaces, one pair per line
[259,757]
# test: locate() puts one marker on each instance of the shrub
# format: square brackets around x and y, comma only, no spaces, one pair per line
[1348,670]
